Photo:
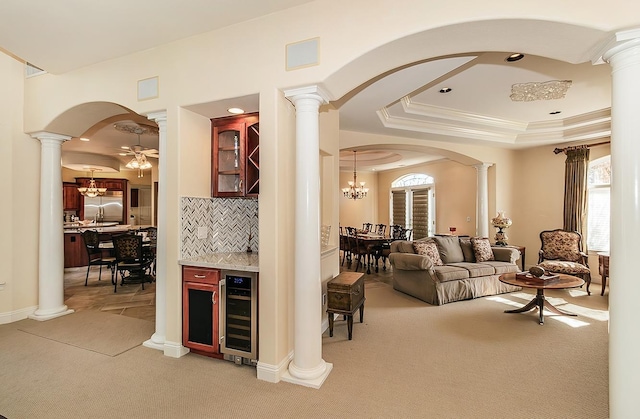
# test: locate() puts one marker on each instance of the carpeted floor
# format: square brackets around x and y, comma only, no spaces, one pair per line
[407,360]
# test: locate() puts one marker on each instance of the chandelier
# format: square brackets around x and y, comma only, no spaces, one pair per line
[92,190]
[353,191]
[140,162]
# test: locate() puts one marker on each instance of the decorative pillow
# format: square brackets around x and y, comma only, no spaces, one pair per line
[467,250]
[428,249]
[482,249]
[450,250]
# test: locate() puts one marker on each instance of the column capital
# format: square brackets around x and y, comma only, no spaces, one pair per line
[44,135]
[308,92]
[158,117]
[620,41]
[482,166]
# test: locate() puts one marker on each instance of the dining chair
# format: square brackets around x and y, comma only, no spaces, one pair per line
[149,245]
[366,227]
[380,229]
[396,232]
[130,259]
[91,240]
[344,247]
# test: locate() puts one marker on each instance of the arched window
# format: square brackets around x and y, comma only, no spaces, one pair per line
[598,210]
[412,204]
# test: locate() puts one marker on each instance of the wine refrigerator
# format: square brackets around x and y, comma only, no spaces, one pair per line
[239,316]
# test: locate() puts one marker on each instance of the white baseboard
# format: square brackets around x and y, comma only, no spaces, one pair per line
[273,373]
[17,315]
[174,349]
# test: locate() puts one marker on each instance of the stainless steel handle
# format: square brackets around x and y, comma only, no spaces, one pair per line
[213,297]
[200,276]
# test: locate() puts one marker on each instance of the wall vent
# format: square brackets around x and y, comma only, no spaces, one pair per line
[31,70]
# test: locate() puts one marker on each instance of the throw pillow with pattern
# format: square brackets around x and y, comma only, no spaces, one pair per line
[428,249]
[482,249]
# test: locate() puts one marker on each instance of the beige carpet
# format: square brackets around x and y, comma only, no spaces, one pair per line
[103,333]
[407,360]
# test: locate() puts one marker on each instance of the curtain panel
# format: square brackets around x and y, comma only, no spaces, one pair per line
[575,190]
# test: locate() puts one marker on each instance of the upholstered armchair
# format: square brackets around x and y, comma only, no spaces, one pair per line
[561,252]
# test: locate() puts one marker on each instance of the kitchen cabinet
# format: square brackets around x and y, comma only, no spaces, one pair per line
[75,254]
[70,196]
[235,149]
[200,310]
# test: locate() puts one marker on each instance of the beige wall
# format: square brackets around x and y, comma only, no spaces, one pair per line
[20,191]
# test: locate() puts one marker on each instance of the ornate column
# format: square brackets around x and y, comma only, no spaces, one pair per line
[482,205]
[307,367]
[51,240]
[157,340]
[623,53]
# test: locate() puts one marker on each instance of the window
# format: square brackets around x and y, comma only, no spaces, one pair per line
[412,204]
[598,210]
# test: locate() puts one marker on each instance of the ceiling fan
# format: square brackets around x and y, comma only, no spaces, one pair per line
[139,153]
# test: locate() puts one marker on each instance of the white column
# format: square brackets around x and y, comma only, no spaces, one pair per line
[482,205]
[307,367]
[623,53]
[157,340]
[51,240]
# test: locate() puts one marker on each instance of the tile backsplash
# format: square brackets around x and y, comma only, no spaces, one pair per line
[228,222]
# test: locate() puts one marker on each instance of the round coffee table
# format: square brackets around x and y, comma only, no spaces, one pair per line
[563,282]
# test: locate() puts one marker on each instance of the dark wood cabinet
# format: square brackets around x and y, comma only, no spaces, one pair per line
[70,196]
[75,254]
[235,149]
[200,310]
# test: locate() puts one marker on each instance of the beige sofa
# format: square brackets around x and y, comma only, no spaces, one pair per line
[460,277]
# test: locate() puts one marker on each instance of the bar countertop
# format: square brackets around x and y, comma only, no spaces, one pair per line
[239,261]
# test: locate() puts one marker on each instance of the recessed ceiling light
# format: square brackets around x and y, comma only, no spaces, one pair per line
[122,154]
[445,90]
[235,110]
[514,57]
[124,147]
[555,112]
[84,139]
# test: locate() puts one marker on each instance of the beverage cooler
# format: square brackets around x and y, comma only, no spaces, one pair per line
[239,316]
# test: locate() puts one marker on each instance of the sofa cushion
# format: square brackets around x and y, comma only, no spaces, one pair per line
[448,273]
[449,248]
[482,249]
[502,267]
[402,246]
[467,250]
[428,249]
[476,269]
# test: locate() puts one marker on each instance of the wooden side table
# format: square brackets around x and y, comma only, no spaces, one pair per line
[603,268]
[345,295]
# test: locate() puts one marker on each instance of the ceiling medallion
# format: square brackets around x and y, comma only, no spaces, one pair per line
[135,128]
[547,90]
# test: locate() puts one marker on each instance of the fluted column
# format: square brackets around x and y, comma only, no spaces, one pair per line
[623,53]
[482,200]
[307,367]
[158,338]
[51,240]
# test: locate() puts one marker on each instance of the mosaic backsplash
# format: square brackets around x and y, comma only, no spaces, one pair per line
[228,221]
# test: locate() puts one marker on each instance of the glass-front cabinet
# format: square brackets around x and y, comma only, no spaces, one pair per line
[235,153]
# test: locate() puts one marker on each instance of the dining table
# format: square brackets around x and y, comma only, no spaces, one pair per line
[373,242]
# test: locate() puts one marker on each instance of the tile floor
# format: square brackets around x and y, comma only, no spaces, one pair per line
[130,299]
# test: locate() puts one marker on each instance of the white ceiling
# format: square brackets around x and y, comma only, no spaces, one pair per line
[404,104]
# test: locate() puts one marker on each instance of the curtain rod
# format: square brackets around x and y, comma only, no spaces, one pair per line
[562,150]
